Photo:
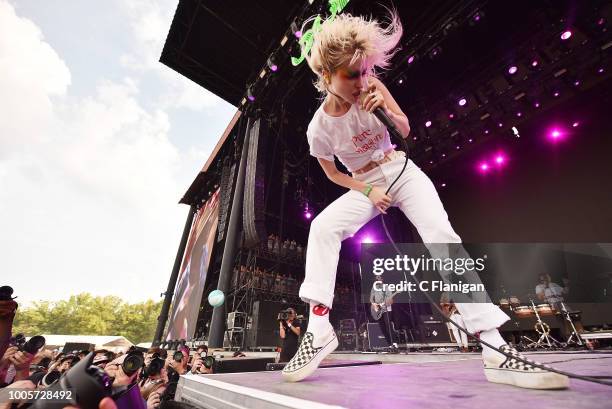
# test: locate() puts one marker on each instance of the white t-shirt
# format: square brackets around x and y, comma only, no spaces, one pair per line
[352,137]
[552,294]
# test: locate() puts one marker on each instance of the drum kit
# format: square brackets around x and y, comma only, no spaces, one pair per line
[538,311]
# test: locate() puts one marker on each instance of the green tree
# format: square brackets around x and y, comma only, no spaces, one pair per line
[84,314]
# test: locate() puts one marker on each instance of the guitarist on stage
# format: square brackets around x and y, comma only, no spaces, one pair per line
[381,302]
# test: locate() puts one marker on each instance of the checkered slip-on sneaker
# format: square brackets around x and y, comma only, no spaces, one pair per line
[508,370]
[308,356]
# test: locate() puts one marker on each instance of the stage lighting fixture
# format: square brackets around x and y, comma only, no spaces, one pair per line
[462,102]
[566,35]
[500,159]
[250,95]
[411,59]
[435,52]
[476,17]
[272,64]
[295,29]
[512,70]
[515,131]
[427,124]
[575,124]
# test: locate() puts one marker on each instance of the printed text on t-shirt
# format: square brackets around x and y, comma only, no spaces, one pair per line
[365,141]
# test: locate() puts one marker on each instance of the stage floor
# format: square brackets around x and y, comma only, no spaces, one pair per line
[441,380]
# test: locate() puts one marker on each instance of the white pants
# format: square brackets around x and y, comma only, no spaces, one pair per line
[417,198]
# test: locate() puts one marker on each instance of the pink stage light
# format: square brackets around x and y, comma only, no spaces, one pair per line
[308,215]
[500,159]
[462,102]
[367,239]
[483,167]
[534,63]
[512,70]
[566,35]
[537,105]
[575,124]
[411,59]
[556,134]
[451,116]
[427,124]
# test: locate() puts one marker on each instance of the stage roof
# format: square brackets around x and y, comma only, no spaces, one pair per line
[219,44]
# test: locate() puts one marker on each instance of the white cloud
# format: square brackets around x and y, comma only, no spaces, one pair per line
[150,22]
[88,185]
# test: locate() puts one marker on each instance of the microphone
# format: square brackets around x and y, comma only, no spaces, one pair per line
[384,118]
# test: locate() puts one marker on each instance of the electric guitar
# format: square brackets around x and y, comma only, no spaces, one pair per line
[378,309]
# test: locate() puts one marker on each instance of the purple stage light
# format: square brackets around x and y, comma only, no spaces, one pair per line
[483,167]
[486,131]
[601,70]
[462,102]
[566,35]
[414,138]
[537,104]
[556,94]
[556,134]
[443,185]
[366,239]
[576,83]
[534,63]
[251,98]
[298,34]
[601,21]
[308,215]
[519,114]
[411,59]
[470,140]
[500,124]
[427,124]
[451,116]
[431,162]
[274,67]
[458,147]
[575,125]
[512,70]
[444,155]
[500,159]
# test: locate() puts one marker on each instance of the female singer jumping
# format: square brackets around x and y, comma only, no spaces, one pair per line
[345,53]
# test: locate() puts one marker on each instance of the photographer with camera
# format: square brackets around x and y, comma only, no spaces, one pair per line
[202,363]
[154,380]
[15,363]
[290,330]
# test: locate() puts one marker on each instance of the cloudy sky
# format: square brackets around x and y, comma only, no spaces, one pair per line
[98,142]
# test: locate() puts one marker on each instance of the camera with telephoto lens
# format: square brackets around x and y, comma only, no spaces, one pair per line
[50,378]
[208,362]
[133,361]
[284,315]
[154,368]
[31,346]
[89,385]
